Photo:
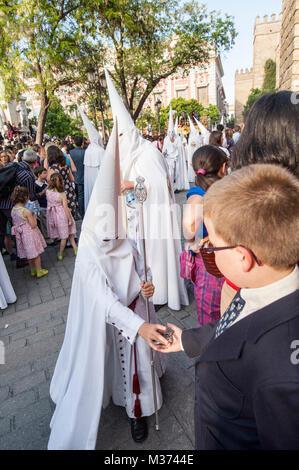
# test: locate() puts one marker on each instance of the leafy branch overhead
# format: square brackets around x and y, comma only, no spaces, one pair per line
[150,40]
[56,43]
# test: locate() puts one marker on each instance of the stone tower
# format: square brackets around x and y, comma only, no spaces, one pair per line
[265,46]
[266,41]
[289,48]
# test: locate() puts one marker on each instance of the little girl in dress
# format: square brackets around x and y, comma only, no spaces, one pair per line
[29,240]
[60,223]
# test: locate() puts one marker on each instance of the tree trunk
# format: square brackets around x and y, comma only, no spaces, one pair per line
[44,106]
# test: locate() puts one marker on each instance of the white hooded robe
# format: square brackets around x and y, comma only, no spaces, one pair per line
[195,141]
[96,361]
[93,157]
[138,157]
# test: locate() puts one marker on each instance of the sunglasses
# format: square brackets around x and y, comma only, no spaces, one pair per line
[209,248]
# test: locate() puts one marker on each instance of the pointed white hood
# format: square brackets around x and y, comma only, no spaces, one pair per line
[101,217]
[131,143]
[171,130]
[95,151]
[93,135]
[204,132]
[193,129]
[124,119]
[103,225]
[176,126]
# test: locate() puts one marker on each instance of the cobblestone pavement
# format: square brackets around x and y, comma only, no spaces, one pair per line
[32,331]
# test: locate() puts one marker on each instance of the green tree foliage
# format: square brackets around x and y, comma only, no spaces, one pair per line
[149,40]
[44,47]
[255,94]
[269,85]
[59,123]
[186,108]
[57,43]
[270,76]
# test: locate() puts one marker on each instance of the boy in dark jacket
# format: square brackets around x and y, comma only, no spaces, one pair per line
[247,368]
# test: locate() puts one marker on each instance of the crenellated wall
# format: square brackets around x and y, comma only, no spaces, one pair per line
[265,46]
[266,40]
[289,50]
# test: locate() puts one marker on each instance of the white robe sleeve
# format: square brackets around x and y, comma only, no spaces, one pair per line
[124,319]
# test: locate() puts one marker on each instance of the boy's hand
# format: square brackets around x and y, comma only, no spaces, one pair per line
[150,333]
[175,346]
[147,289]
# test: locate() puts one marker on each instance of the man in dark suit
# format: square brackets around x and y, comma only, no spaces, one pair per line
[247,367]
[77,155]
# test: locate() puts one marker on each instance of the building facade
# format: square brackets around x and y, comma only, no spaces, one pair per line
[203,83]
[266,42]
[276,39]
[289,47]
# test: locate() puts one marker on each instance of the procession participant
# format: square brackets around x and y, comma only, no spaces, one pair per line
[182,173]
[93,157]
[106,350]
[7,293]
[171,152]
[204,132]
[195,141]
[139,157]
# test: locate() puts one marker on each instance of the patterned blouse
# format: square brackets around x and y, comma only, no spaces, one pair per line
[68,188]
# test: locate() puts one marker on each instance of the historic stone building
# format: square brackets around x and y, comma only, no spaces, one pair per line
[276,39]
[265,46]
[203,83]
[289,47]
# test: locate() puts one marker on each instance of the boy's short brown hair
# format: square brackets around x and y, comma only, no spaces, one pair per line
[258,207]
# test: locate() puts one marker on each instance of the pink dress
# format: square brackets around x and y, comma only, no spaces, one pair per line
[57,221]
[30,242]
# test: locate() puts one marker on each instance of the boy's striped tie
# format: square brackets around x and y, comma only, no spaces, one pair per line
[231,314]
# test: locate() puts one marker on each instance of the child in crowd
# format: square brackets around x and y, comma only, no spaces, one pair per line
[209,165]
[29,240]
[40,191]
[247,372]
[60,223]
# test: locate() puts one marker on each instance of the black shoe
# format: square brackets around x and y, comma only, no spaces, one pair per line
[139,429]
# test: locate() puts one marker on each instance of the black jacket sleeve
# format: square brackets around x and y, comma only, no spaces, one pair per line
[195,340]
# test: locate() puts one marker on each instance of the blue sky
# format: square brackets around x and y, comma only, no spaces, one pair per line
[241,56]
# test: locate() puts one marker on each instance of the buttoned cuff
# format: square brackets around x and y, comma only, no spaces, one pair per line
[126,321]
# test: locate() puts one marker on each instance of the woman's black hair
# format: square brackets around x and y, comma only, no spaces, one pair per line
[210,159]
[52,154]
[271,133]
[215,138]
[60,159]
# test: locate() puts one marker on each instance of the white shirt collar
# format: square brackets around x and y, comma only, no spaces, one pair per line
[258,298]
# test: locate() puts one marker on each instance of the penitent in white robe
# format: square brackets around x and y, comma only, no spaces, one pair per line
[182,173]
[7,293]
[195,141]
[175,158]
[96,361]
[92,161]
[162,231]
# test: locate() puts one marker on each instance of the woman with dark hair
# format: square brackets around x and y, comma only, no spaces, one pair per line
[270,134]
[57,164]
[209,165]
[216,139]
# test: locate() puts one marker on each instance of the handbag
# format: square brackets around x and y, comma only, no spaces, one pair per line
[187,263]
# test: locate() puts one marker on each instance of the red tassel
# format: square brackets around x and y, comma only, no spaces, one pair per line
[137,409]
[136,386]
